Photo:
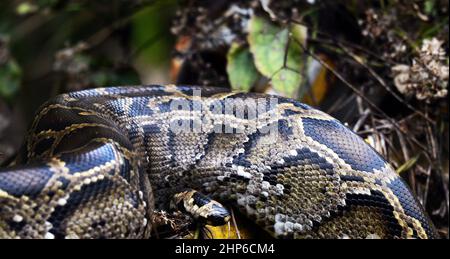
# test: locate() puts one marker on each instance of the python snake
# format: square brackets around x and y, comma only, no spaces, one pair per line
[97,163]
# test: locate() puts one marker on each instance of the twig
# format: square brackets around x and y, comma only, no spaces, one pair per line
[235,224]
[383,149]
[361,120]
[338,104]
[406,156]
[383,84]
[333,39]
[369,102]
[427,187]
[393,149]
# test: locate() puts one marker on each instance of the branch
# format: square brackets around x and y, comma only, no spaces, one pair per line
[369,102]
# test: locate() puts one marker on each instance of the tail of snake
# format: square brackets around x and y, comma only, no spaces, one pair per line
[97,163]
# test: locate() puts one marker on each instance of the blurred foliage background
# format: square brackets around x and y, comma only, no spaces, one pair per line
[379,66]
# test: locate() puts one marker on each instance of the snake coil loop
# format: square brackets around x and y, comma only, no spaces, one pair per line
[97,163]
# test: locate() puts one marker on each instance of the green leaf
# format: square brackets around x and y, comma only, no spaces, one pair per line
[429,7]
[10,75]
[26,8]
[407,165]
[267,44]
[286,82]
[241,71]
[277,55]
[299,33]
[151,39]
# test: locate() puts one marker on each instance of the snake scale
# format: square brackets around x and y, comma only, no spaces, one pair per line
[97,163]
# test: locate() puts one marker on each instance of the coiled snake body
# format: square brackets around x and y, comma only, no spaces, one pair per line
[97,163]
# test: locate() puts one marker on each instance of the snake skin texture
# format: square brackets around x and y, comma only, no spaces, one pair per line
[97,163]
